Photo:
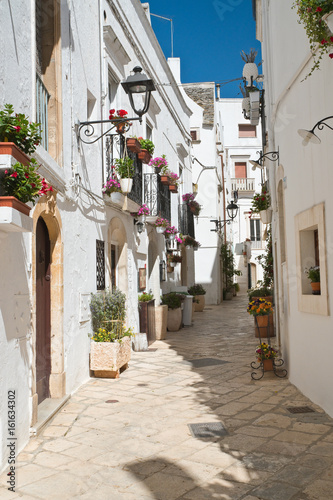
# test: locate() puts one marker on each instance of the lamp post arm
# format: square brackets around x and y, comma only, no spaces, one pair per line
[320,125]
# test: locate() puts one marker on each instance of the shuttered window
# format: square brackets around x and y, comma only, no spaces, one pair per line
[245,130]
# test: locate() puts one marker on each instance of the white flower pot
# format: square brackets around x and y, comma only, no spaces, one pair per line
[173,264]
[171,237]
[266,216]
[188,247]
[126,185]
[250,70]
[160,229]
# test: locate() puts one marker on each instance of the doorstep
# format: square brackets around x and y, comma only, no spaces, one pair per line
[46,411]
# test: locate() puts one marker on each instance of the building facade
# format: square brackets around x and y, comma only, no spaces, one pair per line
[64,65]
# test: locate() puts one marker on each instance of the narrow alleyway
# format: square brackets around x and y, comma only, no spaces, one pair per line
[129,439]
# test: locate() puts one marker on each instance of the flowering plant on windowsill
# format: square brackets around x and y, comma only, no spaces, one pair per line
[111,186]
[313,273]
[24,183]
[18,129]
[310,13]
[265,351]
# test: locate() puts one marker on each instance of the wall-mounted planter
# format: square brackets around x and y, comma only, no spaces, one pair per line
[11,201]
[165,180]
[144,156]
[10,149]
[173,188]
[266,216]
[133,145]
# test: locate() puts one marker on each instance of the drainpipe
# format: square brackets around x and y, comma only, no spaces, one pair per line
[223,191]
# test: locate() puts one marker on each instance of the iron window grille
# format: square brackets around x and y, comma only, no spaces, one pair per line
[100,265]
[186,220]
[157,196]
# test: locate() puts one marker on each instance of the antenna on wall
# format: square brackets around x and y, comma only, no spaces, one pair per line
[167,19]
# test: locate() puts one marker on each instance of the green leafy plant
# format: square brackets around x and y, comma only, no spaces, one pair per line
[145,297]
[310,13]
[261,291]
[266,261]
[24,182]
[115,335]
[196,289]
[124,167]
[313,273]
[195,207]
[18,129]
[259,307]
[147,144]
[173,300]
[108,312]
[228,267]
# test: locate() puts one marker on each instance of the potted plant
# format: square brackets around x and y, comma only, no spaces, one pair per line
[147,150]
[118,119]
[261,204]
[143,212]
[170,232]
[174,301]
[266,261]
[194,207]
[261,309]
[15,128]
[111,186]
[250,70]
[174,259]
[313,274]
[229,271]
[265,355]
[312,15]
[161,224]
[189,242]
[199,293]
[133,144]
[111,341]
[159,164]
[126,170]
[22,184]
[146,303]
[173,182]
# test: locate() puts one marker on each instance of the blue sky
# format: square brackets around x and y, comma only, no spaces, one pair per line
[208,37]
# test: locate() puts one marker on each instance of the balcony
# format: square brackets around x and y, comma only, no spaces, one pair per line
[185,221]
[157,196]
[244,186]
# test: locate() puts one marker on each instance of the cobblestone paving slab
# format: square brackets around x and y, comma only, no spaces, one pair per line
[140,447]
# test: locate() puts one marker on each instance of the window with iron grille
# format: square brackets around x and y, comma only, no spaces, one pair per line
[100,265]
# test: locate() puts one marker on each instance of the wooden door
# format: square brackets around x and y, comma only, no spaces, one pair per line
[43,311]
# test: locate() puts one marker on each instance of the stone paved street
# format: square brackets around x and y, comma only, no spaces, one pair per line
[141,447]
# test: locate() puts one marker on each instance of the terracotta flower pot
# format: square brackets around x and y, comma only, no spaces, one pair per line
[9,148]
[165,180]
[173,188]
[133,145]
[199,306]
[11,201]
[144,156]
[315,288]
[174,319]
[261,326]
[268,365]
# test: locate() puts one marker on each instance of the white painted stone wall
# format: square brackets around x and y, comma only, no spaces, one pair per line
[84,216]
[293,103]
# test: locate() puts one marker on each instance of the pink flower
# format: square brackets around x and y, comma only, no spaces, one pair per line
[14,174]
[17,128]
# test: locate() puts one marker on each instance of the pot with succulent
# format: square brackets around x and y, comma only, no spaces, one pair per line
[147,150]
[117,118]
[317,19]
[261,205]
[174,301]
[161,225]
[261,309]
[111,341]
[22,184]
[126,170]
[19,136]
[199,293]
[313,274]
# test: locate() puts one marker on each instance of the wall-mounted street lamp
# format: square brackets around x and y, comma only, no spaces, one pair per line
[232,210]
[310,136]
[139,88]
[140,225]
[271,155]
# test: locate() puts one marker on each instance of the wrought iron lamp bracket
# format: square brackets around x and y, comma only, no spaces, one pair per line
[87,129]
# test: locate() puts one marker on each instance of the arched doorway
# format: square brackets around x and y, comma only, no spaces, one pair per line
[43,311]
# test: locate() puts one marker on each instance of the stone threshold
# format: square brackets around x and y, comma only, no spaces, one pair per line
[46,411]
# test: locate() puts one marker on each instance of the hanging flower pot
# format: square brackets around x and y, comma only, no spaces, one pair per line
[173,188]
[266,216]
[133,145]
[144,156]
[165,180]
[160,229]
[126,185]
[121,127]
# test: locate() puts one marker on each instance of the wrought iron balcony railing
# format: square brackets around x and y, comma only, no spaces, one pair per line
[157,196]
[136,192]
[185,220]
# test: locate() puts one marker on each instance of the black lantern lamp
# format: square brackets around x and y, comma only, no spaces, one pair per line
[139,225]
[310,136]
[136,85]
[232,210]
